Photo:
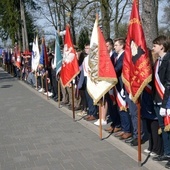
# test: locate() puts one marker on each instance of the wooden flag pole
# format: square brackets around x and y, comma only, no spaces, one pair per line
[42,86]
[73,101]
[101,103]
[139,121]
[46,85]
[139,134]
[36,84]
[58,92]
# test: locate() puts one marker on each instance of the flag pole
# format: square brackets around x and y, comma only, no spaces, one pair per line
[72,87]
[139,119]
[139,133]
[46,73]
[101,103]
[58,91]
[46,84]
[36,84]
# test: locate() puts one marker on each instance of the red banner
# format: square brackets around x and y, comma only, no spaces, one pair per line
[137,72]
[70,68]
[106,69]
[102,76]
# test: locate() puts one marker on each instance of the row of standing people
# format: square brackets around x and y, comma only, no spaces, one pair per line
[123,111]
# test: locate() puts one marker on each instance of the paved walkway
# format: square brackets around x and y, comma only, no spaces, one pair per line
[37,135]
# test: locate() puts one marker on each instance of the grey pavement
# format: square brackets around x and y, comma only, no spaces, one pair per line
[37,135]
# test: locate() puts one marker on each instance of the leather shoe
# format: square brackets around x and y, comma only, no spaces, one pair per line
[64,103]
[167,165]
[125,136]
[134,142]
[161,158]
[91,118]
[77,108]
[129,140]
[118,134]
[116,129]
[86,117]
[110,129]
[70,107]
[55,98]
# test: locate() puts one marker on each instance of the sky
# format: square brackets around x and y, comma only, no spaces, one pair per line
[46,28]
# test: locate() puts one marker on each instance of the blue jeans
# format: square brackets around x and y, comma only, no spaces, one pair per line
[165,135]
[133,111]
[92,109]
[31,79]
[125,121]
[113,112]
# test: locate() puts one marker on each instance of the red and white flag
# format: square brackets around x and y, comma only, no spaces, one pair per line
[70,67]
[137,72]
[101,74]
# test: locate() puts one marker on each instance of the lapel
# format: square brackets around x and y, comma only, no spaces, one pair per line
[119,59]
[164,62]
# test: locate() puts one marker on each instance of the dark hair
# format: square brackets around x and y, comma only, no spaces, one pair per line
[162,40]
[87,44]
[110,41]
[81,58]
[121,41]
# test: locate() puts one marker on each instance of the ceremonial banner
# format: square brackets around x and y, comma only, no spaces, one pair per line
[35,54]
[57,57]
[70,68]
[137,72]
[17,57]
[44,56]
[102,76]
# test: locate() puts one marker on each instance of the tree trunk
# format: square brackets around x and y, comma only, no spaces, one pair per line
[105,18]
[24,27]
[149,20]
[73,29]
[116,24]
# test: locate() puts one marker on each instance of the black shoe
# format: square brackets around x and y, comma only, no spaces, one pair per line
[55,97]
[161,158]
[129,140]
[134,142]
[167,165]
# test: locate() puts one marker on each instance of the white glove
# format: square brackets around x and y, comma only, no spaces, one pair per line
[168,112]
[162,112]
[122,93]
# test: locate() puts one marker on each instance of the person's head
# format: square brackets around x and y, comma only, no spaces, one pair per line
[161,44]
[119,44]
[40,66]
[87,48]
[109,44]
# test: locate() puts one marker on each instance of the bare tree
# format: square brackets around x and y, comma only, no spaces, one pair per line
[150,20]
[164,27]
[120,7]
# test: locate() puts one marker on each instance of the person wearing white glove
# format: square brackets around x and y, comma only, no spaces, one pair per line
[168,112]
[162,77]
[162,112]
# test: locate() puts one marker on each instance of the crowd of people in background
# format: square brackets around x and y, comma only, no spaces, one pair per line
[122,111]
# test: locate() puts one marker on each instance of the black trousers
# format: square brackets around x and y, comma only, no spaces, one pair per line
[54,82]
[155,140]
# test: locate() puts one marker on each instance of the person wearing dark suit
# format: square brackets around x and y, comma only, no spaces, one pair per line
[119,45]
[148,114]
[161,45]
[110,103]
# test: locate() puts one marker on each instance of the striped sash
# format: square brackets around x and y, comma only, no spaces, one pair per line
[159,86]
[120,101]
[148,88]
